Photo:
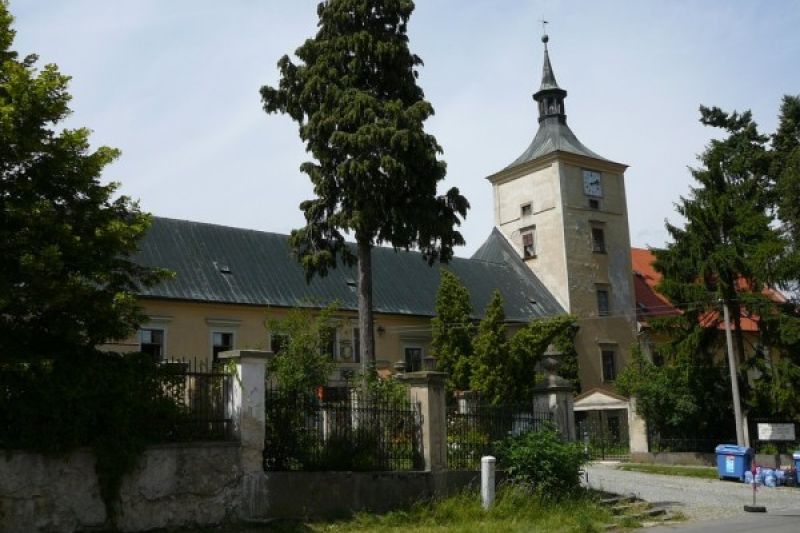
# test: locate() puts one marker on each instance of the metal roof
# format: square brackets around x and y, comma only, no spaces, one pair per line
[554,136]
[241,266]
[548,76]
[496,249]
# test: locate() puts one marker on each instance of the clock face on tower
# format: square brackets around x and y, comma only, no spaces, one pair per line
[591,183]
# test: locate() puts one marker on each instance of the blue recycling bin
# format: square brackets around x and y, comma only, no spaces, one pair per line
[733,461]
[796,459]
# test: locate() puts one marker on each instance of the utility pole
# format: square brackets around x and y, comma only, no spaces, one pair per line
[737,408]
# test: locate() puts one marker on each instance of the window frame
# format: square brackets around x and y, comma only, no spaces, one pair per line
[409,367]
[272,337]
[163,347]
[598,227]
[222,331]
[612,352]
[334,342]
[607,291]
[529,231]
[356,344]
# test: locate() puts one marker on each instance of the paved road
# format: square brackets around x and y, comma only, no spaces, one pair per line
[766,523]
[703,500]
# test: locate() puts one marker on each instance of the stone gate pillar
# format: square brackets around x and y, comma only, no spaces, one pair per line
[427,388]
[554,395]
[246,404]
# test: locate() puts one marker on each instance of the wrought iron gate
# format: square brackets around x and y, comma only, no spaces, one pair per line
[604,434]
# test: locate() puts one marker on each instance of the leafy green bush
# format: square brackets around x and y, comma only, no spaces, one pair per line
[544,461]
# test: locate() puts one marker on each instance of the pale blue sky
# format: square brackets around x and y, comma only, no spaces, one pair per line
[174,84]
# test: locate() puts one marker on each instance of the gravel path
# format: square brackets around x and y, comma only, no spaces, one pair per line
[698,499]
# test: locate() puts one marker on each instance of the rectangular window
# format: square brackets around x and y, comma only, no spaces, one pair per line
[609,365]
[151,342]
[413,359]
[328,345]
[526,210]
[528,244]
[277,342]
[603,308]
[598,240]
[221,341]
[594,203]
[356,346]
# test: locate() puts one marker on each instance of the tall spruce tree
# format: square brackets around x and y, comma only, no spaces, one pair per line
[375,170]
[66,279]
[728,249]
[452,331]
[786,173]
[491,364]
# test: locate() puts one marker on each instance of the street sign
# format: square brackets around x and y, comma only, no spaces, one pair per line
[775,431]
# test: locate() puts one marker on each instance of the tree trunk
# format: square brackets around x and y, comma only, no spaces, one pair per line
[365,320]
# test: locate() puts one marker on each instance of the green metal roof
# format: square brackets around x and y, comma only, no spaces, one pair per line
[240,266]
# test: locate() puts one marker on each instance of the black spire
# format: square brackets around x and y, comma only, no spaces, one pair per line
[550,96]
[553,134]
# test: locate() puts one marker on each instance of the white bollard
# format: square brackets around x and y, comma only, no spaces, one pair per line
[487,481]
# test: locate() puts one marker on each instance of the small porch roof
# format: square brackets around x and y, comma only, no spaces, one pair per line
[600,400]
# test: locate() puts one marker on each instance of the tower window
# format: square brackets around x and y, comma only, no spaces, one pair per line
[598,240]
[609,365]
[594,203]
[528,244]
[526,210]
[603,308]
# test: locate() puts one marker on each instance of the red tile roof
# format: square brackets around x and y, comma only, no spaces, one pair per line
[650,303]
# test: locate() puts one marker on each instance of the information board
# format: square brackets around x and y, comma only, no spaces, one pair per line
[776,431]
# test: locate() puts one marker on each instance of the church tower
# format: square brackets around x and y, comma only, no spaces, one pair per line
[562,207]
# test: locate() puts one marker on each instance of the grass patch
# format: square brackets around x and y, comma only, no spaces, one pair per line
[515,510]
[703,472]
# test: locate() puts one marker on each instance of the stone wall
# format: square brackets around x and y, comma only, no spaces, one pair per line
[177,485]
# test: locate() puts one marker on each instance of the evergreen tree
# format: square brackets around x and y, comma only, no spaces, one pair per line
[452,330]
[786,173]
[491,362]
[66,279]
[360,113]
[728,247]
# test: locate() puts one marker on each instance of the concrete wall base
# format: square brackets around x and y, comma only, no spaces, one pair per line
[324,495]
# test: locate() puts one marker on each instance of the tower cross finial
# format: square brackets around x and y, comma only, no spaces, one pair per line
[545,38]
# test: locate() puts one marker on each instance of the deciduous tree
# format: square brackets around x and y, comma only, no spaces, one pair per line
[66,279]
[375,171]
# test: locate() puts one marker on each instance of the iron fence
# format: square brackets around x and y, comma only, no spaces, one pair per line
[474,430]
[340,429]
[657,444]
[202,394]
